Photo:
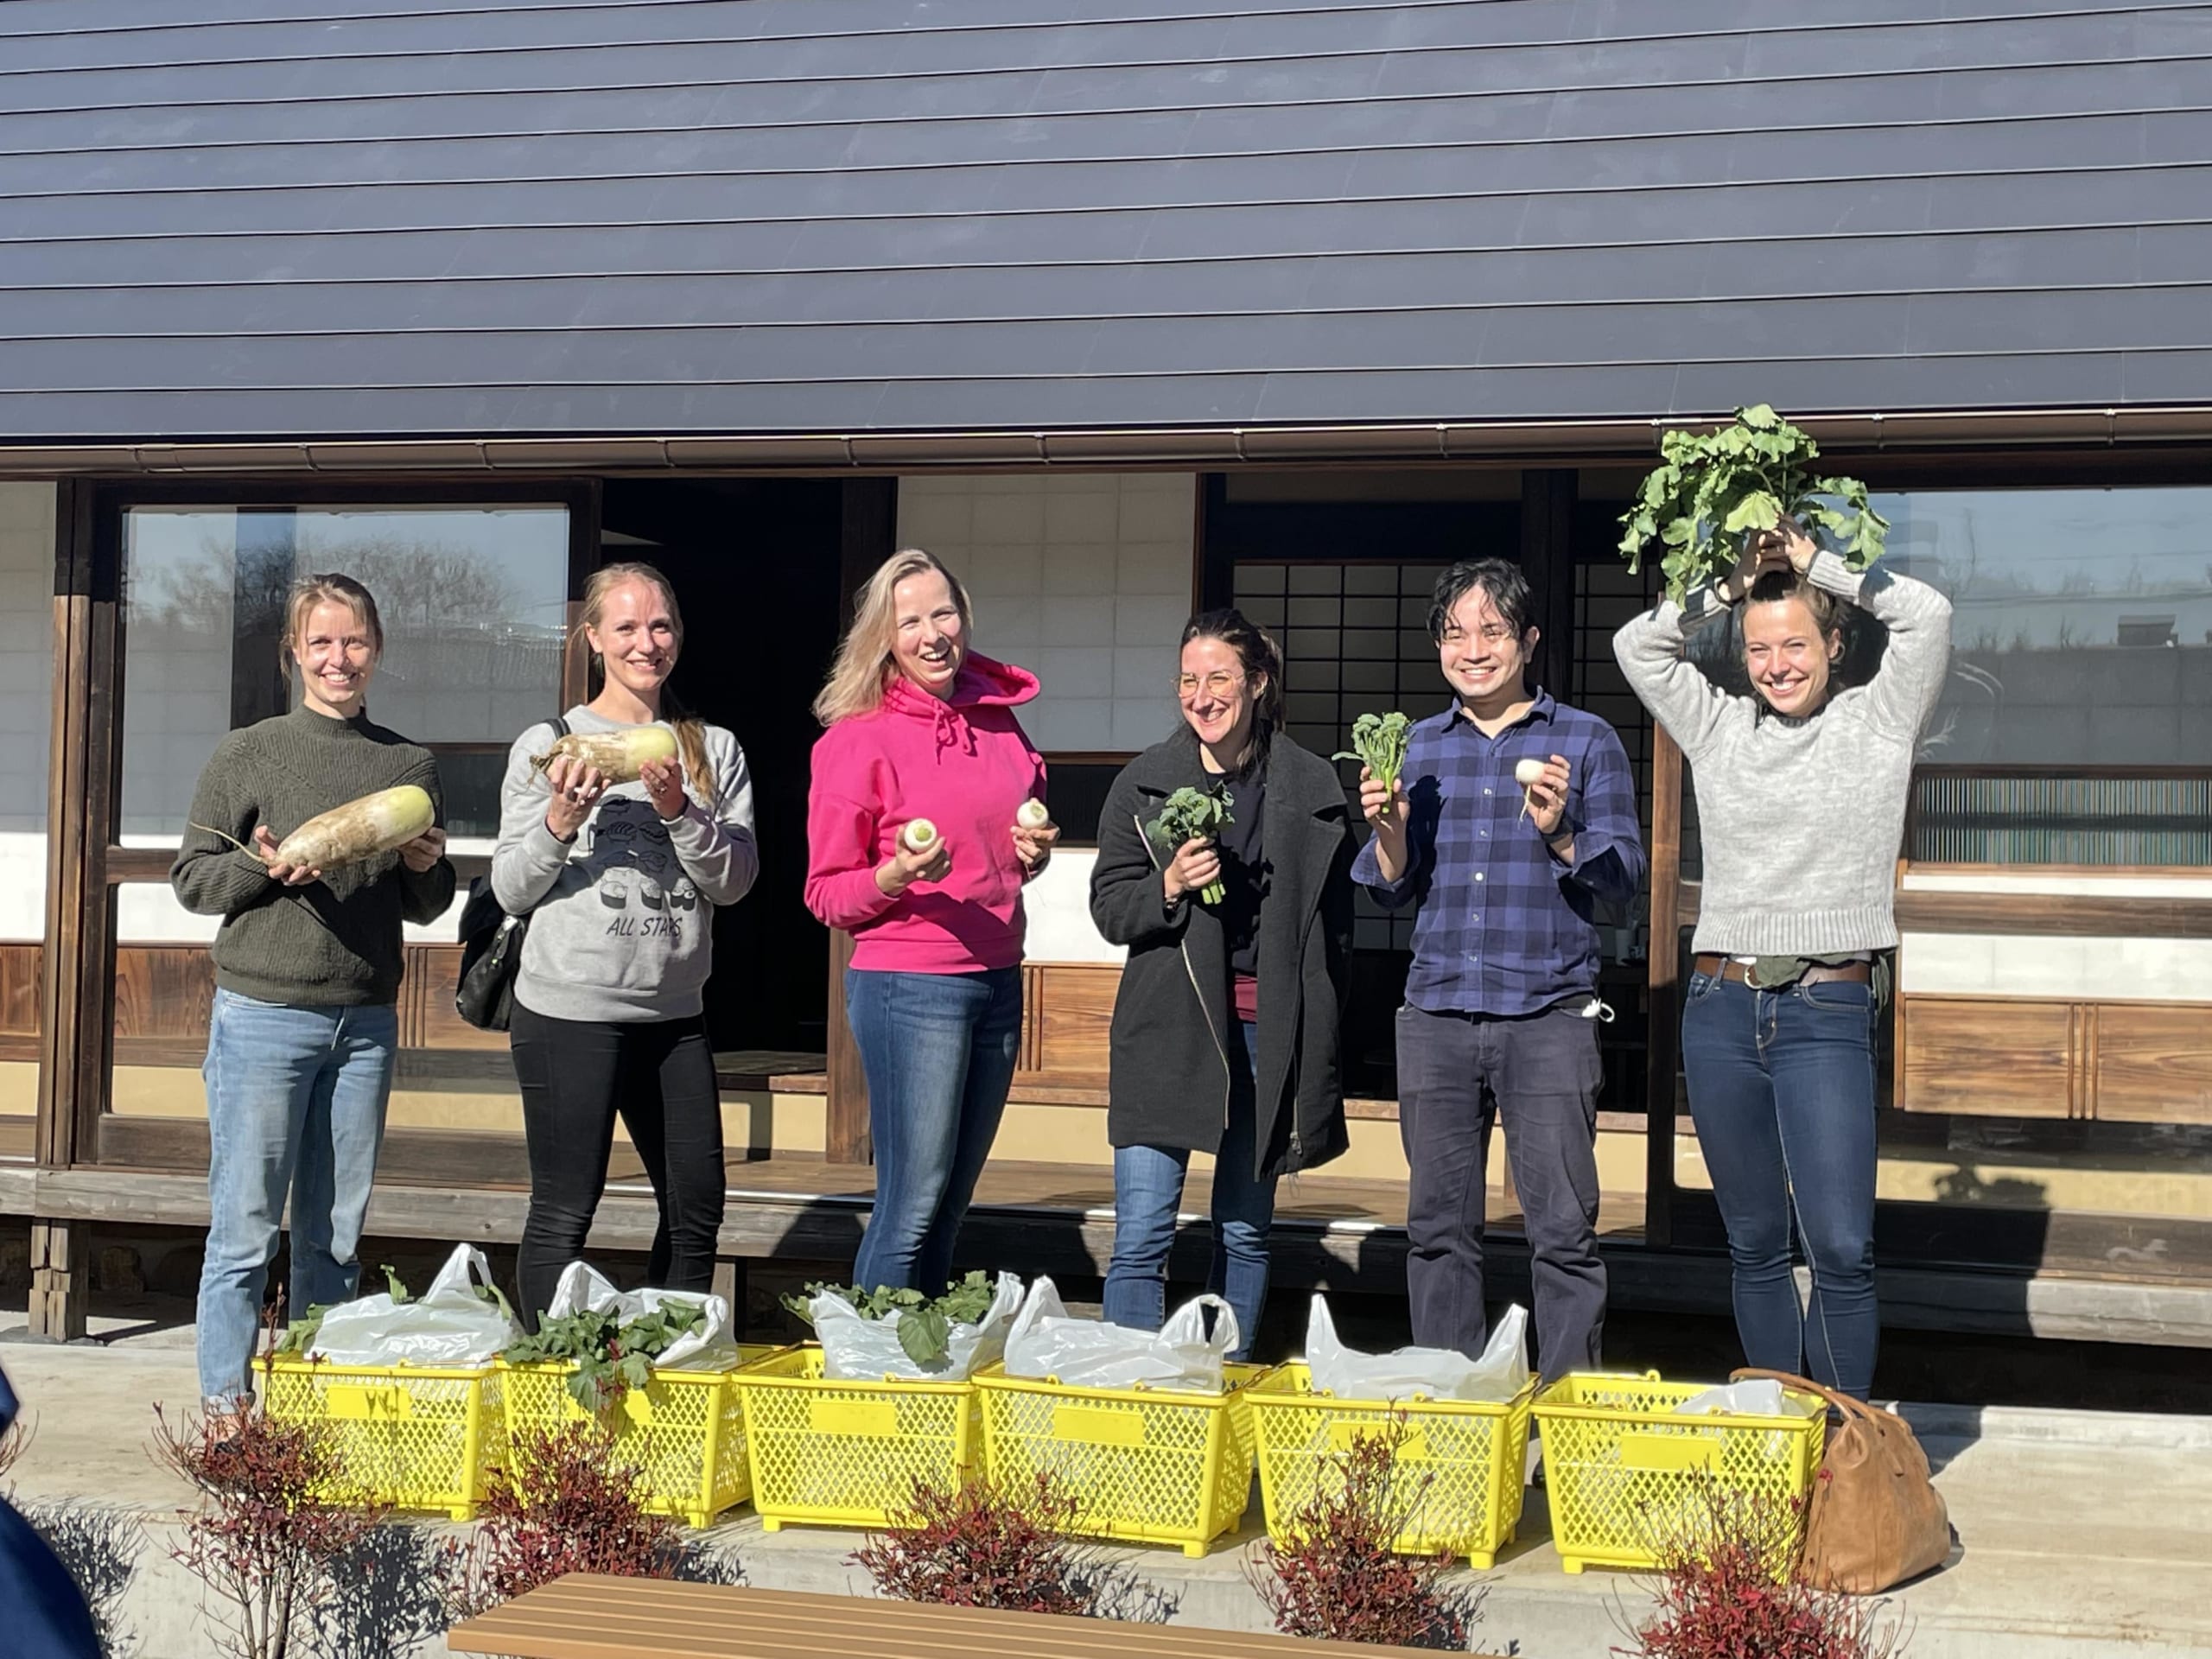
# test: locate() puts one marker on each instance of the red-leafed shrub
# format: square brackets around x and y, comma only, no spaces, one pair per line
[1338,1578]
[276,1518]
[1729,1588]
[985,1543]
[562,1504]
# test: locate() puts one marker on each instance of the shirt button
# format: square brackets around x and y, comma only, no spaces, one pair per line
[1485,792]
[1478,875]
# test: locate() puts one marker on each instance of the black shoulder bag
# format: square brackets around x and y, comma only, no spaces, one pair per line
[491,948]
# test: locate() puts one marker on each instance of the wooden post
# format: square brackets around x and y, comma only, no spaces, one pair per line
[1663,1055]
[869,536]
[74,1031]
[1547,499]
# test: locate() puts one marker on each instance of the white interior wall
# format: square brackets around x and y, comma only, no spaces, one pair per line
[1085,580]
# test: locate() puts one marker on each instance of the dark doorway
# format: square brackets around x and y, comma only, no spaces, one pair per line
[754,564]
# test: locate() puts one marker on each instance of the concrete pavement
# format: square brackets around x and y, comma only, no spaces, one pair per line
[2084,1533]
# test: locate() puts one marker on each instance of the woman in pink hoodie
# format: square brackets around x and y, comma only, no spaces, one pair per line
[920,727]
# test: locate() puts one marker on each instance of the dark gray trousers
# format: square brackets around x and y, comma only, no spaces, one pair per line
[1457,1073]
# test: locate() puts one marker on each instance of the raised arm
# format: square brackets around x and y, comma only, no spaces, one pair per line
[1905,687]
[1650,650]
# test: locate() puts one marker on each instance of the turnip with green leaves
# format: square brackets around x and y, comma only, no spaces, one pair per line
[1715,490]
[347,835]
[1192,814]
[1378,742]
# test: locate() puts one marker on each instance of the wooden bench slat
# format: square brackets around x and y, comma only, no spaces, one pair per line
[695,1621]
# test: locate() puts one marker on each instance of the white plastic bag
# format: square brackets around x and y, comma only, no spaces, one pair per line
[1439,1373]
[1754,1397]
[856,1349]
[712,1346]
[449,1325]
[1046,1342]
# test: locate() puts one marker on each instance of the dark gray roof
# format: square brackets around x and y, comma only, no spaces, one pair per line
[300,218]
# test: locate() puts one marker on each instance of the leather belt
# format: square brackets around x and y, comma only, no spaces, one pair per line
[1858,973]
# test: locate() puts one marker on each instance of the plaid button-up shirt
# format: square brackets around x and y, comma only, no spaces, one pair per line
[1505,928]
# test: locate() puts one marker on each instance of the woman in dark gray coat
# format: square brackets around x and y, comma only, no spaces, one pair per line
[1225,1027]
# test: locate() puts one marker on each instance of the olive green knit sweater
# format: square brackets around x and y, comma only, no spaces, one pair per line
[333,943]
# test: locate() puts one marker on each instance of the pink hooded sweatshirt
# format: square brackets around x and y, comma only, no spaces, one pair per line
[965,764]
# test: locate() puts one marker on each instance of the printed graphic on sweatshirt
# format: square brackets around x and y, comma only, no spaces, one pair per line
[640,881]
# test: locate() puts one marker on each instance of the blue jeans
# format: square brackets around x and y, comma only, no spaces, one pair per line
[1149,1193]
[1781,1088]
[939,1051]
[295,1103]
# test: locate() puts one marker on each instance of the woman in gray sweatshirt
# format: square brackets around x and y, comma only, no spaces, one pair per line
[1801,800]
[620,882]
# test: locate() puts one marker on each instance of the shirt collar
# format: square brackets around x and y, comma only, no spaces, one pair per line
[1541,709]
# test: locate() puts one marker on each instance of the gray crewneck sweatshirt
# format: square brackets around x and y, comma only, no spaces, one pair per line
[1801,821]
[617,928]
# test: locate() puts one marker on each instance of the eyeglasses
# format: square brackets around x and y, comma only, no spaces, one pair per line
[1494,635]
[1219,683]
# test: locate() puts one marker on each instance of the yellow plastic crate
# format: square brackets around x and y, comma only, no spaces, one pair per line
[413,1437]
[1473,1454]
[1621,1471]
[848,1454]
[684,1430]
[1159,1466]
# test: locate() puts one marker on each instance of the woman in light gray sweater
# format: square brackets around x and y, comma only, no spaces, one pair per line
[1801,800]
[620,882]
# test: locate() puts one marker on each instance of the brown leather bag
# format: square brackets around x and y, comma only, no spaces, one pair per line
[1875,1519]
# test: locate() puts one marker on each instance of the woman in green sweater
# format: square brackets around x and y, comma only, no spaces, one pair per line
[305,1026]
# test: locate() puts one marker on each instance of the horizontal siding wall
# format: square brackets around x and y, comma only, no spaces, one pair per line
[774,215]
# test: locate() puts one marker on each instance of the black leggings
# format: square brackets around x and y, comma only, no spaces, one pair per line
[575,1075]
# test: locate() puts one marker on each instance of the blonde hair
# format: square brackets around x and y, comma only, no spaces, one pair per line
[691,730]
[863,669]
[331,588]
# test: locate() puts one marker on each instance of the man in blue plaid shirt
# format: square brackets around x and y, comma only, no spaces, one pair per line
[1501,1014]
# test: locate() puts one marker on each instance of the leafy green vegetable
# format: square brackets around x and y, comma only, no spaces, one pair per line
[398,1290]
[611,1356]
[924,1325]
[1194,815]
[1713,490]
[299,1335]
[1378,742]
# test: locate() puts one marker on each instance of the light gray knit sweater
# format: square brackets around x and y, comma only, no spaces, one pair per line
[1801,820]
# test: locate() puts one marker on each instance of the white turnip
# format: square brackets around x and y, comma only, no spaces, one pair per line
[918,836]
[346,834]
[619,756]
[1033,815]
[1527,773]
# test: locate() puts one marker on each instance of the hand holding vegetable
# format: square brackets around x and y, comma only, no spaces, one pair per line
[424,852]
[1379,743]
[1196,867]
[577,784]
[1035,834]
[381,822]
[664,782]
[265,849]
[1786,547]
[929,861]
[1194,815]
[1546,785]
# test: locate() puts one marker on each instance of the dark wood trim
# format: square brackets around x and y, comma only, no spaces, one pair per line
[1548,502]
[123,864]
[1662,1049]
[868,534]
[1215,577]
[584,558]
[2065,914]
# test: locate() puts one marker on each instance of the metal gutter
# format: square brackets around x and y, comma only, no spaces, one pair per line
[1208,447]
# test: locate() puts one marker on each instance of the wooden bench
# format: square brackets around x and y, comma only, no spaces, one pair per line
[587,1617]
